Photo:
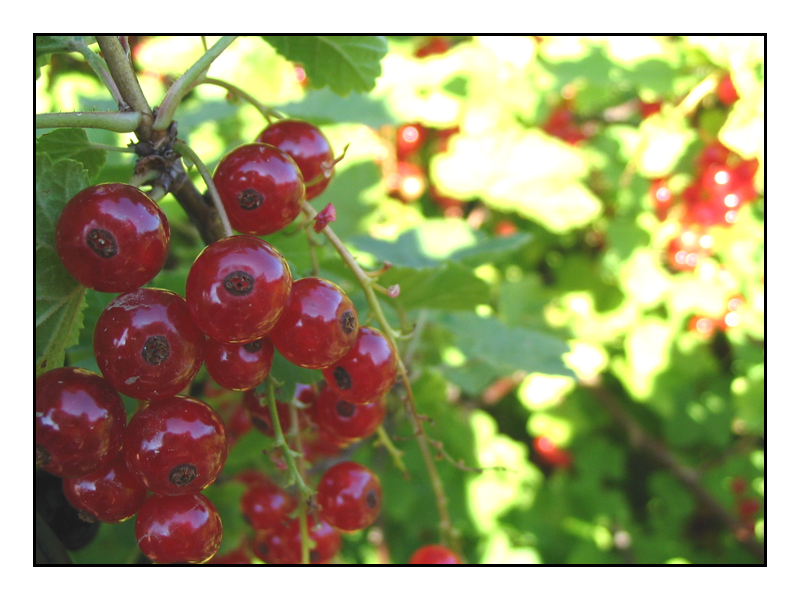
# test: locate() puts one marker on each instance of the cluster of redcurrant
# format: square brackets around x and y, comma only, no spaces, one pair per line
[241,305]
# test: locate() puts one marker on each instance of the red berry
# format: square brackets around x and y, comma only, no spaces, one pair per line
[687,249]
[367,372]
[147,345]
[239,366]
[318,327]
[176,446]
[237,289]
[434,555]
[552,454]
[407,183]
[435,45]
[738,486]
[349,496]
[178,529]
[283,546]
[662,198]
[266,506]
[410,138]
[112,238]
[346,420]
[110,494]
[260,187]
[80,421]
[649,108]
[239,556]
[726,91]
[308,147]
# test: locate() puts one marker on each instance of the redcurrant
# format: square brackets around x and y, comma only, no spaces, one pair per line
[110,494]
[178,529]
[349,496]
[308,147]
[318,327]
[367,372]
[282,546]
[434,555]
[347,420]
[261,188]
[237,289]
[112,238]
[80,421]
[266,506]
[147,345]
[239,366]
[176,446]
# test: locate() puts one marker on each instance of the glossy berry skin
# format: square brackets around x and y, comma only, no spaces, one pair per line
[112,238]
[347,420]
[349,496]
[434,555]
[239,366]
[80,421]
[147,345]
[319,325]
[178,529]
[367,372]
[283,546]
[176,446]
[265,506]
[110,494]
[261,188]
[237,289]
[308,147]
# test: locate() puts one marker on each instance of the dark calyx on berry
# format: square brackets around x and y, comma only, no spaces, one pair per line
[102,242]
[239,283]
[250,199]
[183,475]
[155,350]
[342,378]
[372,499]
[253,347]
[345,408]
[349,322]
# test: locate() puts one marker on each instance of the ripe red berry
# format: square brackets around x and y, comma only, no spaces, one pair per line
[410,138]
[662,198]
[261,188]
[110,494]
[237,289]
[349,496]
[434,555]
[726,91]
[283,546]
[367,372]
[80,421]
[147,345]
[265,506]
[239,556]
[347,420]
[308,147]
[176,446]
[239,366]
[686,250]
[178,529]
[318,327]
[112,238]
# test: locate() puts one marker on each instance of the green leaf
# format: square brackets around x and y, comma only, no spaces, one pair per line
[345,63]
[506,348]
[519,170]
[323,106]
[49,44]
[59,298]
[449,286]
[436,240]
[72,143]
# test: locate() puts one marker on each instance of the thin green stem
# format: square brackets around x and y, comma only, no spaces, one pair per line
[99,67]
[185,150]
[265,110]
[366,282]
[185,82]
[119,65]
[283,444]
[305,539]
[121,122]
[397,455]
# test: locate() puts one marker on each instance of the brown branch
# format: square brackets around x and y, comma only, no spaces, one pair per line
[689,477]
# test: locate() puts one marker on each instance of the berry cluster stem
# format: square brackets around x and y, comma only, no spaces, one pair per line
[366,283]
